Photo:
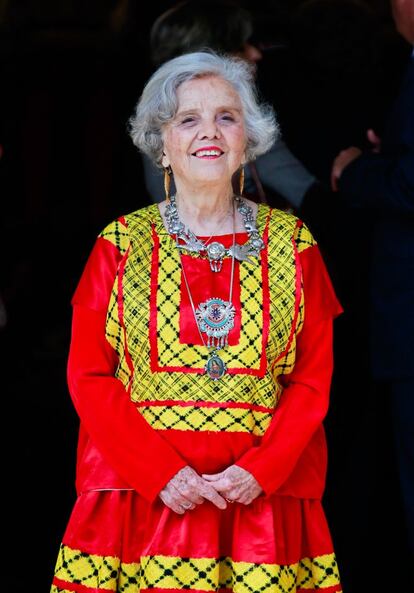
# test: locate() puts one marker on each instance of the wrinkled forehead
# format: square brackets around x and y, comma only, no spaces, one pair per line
[207,91]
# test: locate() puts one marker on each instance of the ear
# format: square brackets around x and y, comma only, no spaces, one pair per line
[165,161]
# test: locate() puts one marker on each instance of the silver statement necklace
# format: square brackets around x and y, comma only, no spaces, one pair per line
[216,251]
[215,319]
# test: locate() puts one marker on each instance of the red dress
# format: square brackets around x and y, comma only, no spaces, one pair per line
[147,409]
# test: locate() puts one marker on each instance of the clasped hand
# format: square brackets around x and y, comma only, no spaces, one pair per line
[187,489]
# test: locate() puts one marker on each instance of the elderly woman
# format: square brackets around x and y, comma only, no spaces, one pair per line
[200,366]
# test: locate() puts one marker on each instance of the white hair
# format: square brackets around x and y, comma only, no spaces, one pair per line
[158,103]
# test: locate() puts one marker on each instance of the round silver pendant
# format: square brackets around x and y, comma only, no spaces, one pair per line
[215,367]
[216,318]
[215,252]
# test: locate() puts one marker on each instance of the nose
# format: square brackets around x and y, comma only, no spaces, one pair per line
[208,129]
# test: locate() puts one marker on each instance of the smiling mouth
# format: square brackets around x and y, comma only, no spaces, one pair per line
[208,153]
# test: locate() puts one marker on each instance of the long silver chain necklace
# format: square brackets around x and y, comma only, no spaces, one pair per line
[215,318]
[216,251]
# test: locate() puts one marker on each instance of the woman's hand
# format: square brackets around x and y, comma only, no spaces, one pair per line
[235,484]
[187,489]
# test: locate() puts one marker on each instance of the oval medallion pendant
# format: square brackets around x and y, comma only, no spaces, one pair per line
[215,367]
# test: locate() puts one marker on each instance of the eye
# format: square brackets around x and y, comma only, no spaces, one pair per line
[188,119]
[227,117]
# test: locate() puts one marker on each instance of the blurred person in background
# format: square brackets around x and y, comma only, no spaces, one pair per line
[276,177]
[381,181]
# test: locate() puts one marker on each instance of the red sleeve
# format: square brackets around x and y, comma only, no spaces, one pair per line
[134,450]
[320,298]
[95,285]
[305,398]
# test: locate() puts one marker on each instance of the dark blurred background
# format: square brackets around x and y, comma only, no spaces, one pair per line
[71,73]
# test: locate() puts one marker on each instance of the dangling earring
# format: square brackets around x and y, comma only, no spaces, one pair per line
[167,182]
[241,180]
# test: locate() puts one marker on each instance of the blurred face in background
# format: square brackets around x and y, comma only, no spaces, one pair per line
[403,13]
[250,53]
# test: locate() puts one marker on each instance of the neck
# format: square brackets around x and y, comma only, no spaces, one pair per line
[205,212]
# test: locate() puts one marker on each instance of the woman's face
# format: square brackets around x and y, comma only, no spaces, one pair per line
[206,140]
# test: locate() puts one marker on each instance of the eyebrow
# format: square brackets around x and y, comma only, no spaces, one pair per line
[196,110]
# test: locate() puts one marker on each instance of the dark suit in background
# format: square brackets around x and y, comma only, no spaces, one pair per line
[383,183]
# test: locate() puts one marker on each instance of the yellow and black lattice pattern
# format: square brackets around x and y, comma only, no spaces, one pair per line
[117,233]
[285,293]
[116,337]
[216,419]
[170,351]
[303,237]
[201,574]
[169,373]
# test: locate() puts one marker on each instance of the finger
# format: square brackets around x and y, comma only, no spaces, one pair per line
[186,491]
[232,495]
[187,505]
[246,497]
[246,500]
[212,477]
[179,499]
[171,503]
[189,493]
[214,497]
[194,499]
[179,507]
[223,486]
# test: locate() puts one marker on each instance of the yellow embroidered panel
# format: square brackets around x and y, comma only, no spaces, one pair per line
[303,238]
[170,352]
[216,419]
[200,574]
[269,294]
[179,384]
[167,373]
[286,293]
[116,233]
[116,337]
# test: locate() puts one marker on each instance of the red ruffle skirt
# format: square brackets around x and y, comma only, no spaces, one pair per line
[116,541]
